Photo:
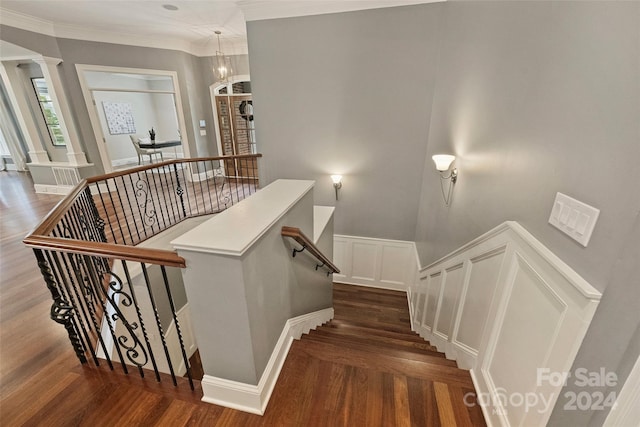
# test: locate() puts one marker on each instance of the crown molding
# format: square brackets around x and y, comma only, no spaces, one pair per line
[26,22]
[255,10]
[29,23]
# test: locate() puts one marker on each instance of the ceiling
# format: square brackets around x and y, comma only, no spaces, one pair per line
[190,28]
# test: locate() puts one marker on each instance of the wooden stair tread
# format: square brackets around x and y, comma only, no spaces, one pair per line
[356,289]
[368,328]
[377,348]
[381,362]
[373,339]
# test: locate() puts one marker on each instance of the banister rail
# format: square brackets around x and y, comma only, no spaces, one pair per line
[120,302]
[110,250]
[307,244]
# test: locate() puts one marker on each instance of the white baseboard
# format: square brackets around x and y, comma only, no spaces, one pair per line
[8,167]
[254,398]
[125,161]
[52,189]
[378,263]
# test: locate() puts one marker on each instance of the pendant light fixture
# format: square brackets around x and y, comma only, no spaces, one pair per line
[222,67]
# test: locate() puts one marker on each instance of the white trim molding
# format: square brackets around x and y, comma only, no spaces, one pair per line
[52,189]
[626,411]
[254,398]
[379,263]
[255,10]
[507,308]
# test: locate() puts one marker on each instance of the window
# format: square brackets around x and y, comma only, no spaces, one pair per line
[48,111]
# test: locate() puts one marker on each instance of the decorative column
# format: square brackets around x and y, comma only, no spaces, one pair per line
[20,106]
[51,75]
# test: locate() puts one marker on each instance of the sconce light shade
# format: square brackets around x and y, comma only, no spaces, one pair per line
[337,183]
[443,161]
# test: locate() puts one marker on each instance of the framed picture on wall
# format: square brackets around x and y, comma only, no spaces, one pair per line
[119,116]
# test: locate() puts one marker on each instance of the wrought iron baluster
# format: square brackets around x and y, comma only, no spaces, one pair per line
[175,319]
[126,221]
[142,326]
[158,322]
[179,190]
[99,222]
[94,234]
[124,187]
[161,194]
[106,213]
[149,215]
[102,296]
[199,197]
[186,184]
[167,190]
[208,192]
[77,301]
[127,340]
[243,177]
[92,286]
[61,311]
[115,211]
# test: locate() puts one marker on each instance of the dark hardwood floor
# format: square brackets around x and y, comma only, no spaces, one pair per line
[364,368]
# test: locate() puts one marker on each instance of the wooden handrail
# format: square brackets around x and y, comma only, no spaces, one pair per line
[110,250]
[299,237]
[53,217]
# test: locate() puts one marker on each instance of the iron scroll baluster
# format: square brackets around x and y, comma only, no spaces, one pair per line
[61,310]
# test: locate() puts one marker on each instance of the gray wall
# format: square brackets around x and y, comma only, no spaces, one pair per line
[536,98]
[533,98]
[350,94]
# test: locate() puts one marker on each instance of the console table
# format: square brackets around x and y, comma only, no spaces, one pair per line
[161,144]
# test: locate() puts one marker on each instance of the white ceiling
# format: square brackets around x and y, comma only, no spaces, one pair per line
[146,23]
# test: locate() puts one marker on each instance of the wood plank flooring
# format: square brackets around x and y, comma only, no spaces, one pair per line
[364,368]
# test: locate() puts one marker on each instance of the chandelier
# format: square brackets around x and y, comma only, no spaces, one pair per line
[222,67]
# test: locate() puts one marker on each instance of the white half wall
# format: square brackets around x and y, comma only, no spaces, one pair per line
[379,263]
[506,308]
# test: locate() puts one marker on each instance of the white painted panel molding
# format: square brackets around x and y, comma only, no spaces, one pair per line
[504,306]
[379,263]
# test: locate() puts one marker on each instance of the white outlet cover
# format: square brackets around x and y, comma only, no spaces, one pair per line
[574,218]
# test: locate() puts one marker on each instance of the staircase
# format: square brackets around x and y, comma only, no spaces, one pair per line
[366,367]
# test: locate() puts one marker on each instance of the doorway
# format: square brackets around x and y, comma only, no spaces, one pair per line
[235,124]
[125,105]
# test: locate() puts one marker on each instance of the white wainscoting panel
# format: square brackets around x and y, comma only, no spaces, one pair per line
[380,263]
[434,285]
[504,306]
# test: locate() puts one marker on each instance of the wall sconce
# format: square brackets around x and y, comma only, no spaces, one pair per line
[337,183]
[443,163]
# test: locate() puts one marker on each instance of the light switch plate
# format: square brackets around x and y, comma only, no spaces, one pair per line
[574,218]
[203,132]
